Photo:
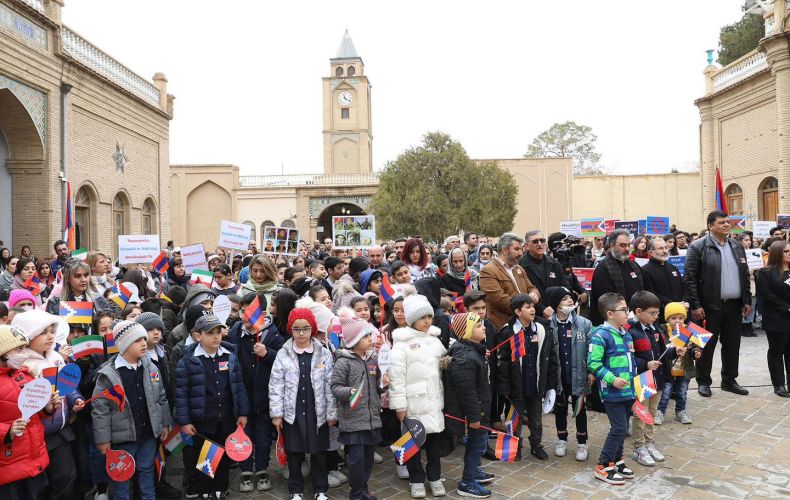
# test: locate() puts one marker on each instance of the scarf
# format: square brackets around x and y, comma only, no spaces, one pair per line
[480,263]
[265,287]
[460,275]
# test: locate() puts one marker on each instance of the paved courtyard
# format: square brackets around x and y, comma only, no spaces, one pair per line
[737,447]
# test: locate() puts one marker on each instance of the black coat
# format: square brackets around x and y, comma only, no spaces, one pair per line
[551,274]
[510,380]
[431,289]
[602,283]
[774,289]
[256,371]
[665,281]
[702,278]
[647,348]
[467,393]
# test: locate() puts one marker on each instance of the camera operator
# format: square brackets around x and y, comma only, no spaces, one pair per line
[543,270]
[570,252]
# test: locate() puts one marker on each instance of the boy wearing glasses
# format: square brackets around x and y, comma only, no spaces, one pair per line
[611,360]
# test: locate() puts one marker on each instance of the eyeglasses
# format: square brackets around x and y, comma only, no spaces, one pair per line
[653,314]
[622,309]
[306,329]
[538,240]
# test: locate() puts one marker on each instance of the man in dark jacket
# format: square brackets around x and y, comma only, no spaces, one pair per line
[716,286]
[543,270]
[661,277]
[615,273]
[431,289]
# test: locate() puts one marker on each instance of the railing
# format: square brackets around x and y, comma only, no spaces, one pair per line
[36,4]
[91,56]
[740,70]
[308,180]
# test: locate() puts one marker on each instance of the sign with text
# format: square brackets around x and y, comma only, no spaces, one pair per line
[234,235]
[632,226]
[678,261]
[281,240]
[657,225]
[783,221]
[354,231]
[642,226]
[593,227]
[610,225]
[194,257]
[585,276]
[761,228]
[571,228]
[737,224]
[754,259]
[138,249]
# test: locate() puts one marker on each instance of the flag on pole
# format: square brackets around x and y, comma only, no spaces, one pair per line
[506,447]
[159,461]
[209,458]
[699,335]
[201,276]
[404,448]
[162,263]
[681,337]
[68,231]
[76,312]
[120,295]
[511,420]
[387,293]
[356,397]
[80,253]
[176,440]
[645,385]
[721,201]
[468,280]
[518,346]
[255,315]
[85,346]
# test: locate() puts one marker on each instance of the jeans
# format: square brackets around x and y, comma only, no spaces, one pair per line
[259,429]
[675,388]
[618,413]
[359,459]
[143,453]
[476,444]
[561,417]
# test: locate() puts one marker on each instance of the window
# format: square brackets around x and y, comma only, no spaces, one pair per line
[351,71]
[82,216]
[339,71]
[118,216]
[287,223]
[344,113]
[734,196]
[149,217]
[768,197]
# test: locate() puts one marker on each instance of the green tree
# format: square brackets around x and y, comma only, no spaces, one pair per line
[435,190]
[568,140]
[740,38]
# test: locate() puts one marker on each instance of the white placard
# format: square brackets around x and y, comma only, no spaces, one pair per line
[641,261]
[194,257]
[281,240]
[221,308]
[138,249]
[34,396]
[234,235]
[754,259]
[354,231]
[571,228]
[761,228]
[384,360]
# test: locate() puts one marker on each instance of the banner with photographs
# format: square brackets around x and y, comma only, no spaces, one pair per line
[282,240]
[357,231]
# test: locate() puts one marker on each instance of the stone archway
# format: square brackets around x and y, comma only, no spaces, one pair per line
[337,209]
[207,205]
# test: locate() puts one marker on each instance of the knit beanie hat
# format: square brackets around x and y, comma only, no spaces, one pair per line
[34,322]
[18,296]
[150,321]
[354,329]
[176,294]
[192,314]
[11,338]
[415,307]
[674,308]
[463,325]
[302,313]
[127,333]
[555,294]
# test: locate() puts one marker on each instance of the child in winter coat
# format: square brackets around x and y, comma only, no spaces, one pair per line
[467,397]
[301,403]
[355,385]
[390,425]
[416,388]
[23,452]
[678,369]
[146,416]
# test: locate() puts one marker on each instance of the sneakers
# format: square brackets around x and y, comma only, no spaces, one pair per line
[623,470]
[377,459]
[582,452]
[642,456]
[539,453]
[472,489]
[609,474]
[262,480]
[561,448]
[437,488]
[659,418]
[417,490]
[657,455]
[332,480]
[403,472]
[483,477]
[339,476]
[191,493]
[320,496]
[683,417]
[296,496]
[245,482]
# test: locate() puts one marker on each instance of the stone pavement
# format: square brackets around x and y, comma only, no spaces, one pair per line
[737,447]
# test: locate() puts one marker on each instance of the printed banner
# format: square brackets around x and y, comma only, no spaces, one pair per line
[783,221]
[678,261]
[761,228]
[642,226]
[282,240]
[138,249]
[571,228]
[234,235]
[593,227]
[610,225]
[632,226]
[354,231]
[657,225]
[194,257]
[737,224]
[585,276]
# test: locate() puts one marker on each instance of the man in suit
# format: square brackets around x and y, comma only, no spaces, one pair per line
[661,277]
[716,286]
[615,273]
[543,270]
[503,278]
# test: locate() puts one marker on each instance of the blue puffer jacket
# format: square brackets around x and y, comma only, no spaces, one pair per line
[256,371]
[190,387]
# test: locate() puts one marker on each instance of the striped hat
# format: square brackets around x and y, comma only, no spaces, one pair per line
[127,333]
[464,324]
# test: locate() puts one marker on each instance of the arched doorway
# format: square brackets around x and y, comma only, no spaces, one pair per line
[768,194]
[734,196]
[338,209]
[85,216]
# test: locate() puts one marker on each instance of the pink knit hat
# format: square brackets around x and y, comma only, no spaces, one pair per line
[18,296]
[354,329]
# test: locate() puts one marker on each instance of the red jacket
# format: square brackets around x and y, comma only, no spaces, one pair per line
[24,456]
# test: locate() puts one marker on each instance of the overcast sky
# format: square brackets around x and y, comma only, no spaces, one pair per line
[247,74]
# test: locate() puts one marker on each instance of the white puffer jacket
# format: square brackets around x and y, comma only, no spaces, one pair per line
[415,376]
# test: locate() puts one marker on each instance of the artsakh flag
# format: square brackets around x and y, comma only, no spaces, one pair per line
[404,448]
[33,284]
[699,335]
[109,344]
[201,276]
[512,420]
[356,398]
[162,263]
[255,315]
[209,458]
[721,201]
[645,385]
[578,405]
[468,280]
[387,293]
[76,312]
[120,295]
[159,461]
[518,346]
[506,447]
[593,227]
[85,346]
[681,337]
[51,374]
[68,231]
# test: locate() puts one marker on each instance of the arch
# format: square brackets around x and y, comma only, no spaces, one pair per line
[25,144]
[207,205]
[86,216]
[351,71]
[768,198]
[121,215]
[334,210]
[150,222]
[339,71]
[734,196]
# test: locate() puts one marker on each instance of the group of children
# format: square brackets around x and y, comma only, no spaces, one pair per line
[318,385]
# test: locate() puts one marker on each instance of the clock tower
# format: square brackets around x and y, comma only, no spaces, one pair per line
[347,130]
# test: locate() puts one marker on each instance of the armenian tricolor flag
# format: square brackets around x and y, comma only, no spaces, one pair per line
[33,284]
[109,344]
[681,336]
[645,385]
[201,276]
[69,229]
[387,293]
[162,263]
[468,280]
[51,374]
[120,295]
[721,200]
[506,447]
[356,398]
[115,394]
[255,315]
[404,448]
[76,312]
[159,461]
[512,420]
[518,346]
[87,345]
[209,458]
[699,335]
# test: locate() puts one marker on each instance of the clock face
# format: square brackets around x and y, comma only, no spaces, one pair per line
[344,98]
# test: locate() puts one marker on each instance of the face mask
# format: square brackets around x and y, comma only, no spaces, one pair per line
[567,309]
[27,308]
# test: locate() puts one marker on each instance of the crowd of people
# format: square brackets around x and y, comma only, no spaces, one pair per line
[329,354]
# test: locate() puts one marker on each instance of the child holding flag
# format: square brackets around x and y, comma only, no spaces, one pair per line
[679,367]
[468,397]
[355,384]
[130,408]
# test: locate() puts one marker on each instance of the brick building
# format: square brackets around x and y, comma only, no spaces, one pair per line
[70,112]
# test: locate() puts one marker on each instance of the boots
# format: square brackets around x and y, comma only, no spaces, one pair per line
[747,330]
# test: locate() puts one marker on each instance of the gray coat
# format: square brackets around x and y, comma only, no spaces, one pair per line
[113,426]
[582,333]
[284,384]
[348,371]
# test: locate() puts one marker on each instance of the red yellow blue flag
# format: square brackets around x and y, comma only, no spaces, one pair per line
[645,385]
[209,458]
[511,420]
[699,335]
[120,295]
[404,448]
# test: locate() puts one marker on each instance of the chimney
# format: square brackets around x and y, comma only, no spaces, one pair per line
[160,82]
[52,10]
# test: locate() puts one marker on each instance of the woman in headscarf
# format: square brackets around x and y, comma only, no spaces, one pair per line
[263,278]
[177,275]
[485,254]
[460,278]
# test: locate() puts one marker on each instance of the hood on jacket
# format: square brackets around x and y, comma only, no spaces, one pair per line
[431,288]
[407,333]
[196,290]
[366,277]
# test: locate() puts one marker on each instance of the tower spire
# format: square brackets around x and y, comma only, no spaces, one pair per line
[346,49]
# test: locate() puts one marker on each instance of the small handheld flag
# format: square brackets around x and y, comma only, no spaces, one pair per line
[404,448]
[468,280]
[33,284]
[512,420]
[506,447]
[82,347]
[120,295]
[159,461]
[109,344]
[699,335]
[115,394]
[176,440]
[356,396]
[681,336]
[201,276]
[161,264]
[645,385]
[387,293]
[209,458]
[51,374]
[76,312]
[255,315]
[518,346]
[80,253]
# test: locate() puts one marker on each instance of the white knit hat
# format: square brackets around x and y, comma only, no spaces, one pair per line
[323,315]
[34,322]
[127,333]
[415,307]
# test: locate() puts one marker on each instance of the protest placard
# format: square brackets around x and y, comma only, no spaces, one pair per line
[354,231]
[571,228]
[678,261]
[234,235]
[754,259]
[632,226]
[656,225]
[761,228]
[281,240]
[138,249]
[194,257]
[585,276]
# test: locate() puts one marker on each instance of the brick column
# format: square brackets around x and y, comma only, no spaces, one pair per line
[707,152]
[779,59]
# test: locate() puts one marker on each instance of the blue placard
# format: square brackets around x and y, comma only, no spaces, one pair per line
[656,225]
[68,379]
[642,226]
[678,261]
